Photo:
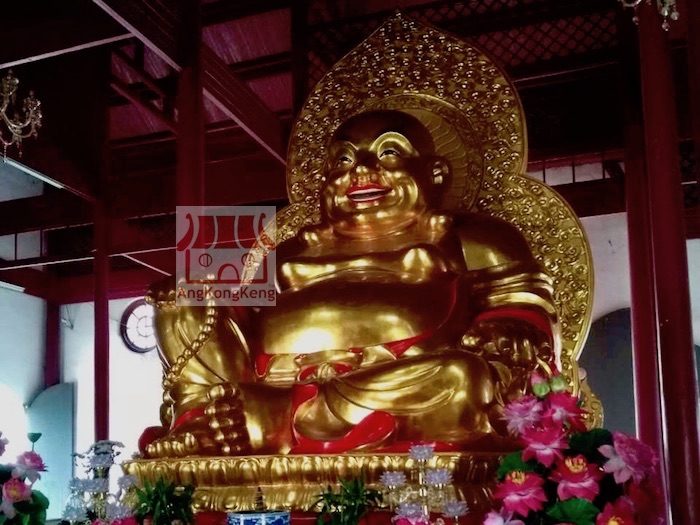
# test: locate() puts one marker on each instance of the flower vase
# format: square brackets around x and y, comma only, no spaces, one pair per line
[99,498]
[423,497]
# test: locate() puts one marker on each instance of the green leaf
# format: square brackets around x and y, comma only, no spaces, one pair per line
[513,462]
[348,506]
[164,502]
[575,510]
[5,474]
[40,500]
[587,443]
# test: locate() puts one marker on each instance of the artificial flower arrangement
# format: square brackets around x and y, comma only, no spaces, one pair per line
[433,492]
[91,501]
[569,475]
[21,504]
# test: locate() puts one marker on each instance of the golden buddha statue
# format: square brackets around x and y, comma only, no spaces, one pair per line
[388,317]
[421,278]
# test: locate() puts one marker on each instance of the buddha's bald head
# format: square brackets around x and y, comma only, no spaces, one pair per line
[376,123]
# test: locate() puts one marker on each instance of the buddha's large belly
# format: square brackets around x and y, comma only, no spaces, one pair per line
[346,314]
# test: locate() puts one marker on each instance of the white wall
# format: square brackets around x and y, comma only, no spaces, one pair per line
[607,235]
[135,392]
[22,323]
[22,343]
[694,272]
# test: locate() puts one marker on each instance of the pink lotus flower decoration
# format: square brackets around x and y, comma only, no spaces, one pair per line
[576,478]
[13,491]
[19,502]
[560,455]
[619,512]
[545,444]
[501,518]
[28,465]
[565,410]
[521,492]
[522,414]
[628,458]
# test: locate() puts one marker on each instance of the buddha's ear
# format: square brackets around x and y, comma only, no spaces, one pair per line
[439,173]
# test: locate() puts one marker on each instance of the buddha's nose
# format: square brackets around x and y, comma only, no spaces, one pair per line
[362,176]
[365,169]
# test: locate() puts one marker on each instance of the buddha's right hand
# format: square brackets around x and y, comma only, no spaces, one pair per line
[513,342]
[217,428]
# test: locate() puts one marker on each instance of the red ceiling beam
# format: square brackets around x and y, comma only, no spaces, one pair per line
[164,262]
[144,243]
[52,164]
[34,282]
[219,11]
[692,223]
[136,66]
[223,88]
[44,212]
[124,90]
[122,284]
[50,39]
[594,197]
[157,27]
[229,181]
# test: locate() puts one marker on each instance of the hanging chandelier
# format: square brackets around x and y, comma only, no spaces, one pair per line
[667,9]
[17,122]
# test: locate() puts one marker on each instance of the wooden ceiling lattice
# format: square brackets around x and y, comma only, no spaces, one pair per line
[514,33]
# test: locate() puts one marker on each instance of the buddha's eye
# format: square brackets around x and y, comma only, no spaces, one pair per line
[389,152]
[343,160]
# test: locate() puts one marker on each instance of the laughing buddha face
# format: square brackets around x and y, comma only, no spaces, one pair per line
[382,174]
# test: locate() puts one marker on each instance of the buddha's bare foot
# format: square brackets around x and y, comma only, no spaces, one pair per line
[227,419]
[217,429]
[180,443]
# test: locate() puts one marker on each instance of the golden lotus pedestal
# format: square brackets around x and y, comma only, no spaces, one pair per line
[294,482]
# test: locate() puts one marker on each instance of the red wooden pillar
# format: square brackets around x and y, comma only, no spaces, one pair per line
[101,269]
[644,336]
[52,355]
[645,360]
[101,66]
[692,16]
[643,316]
[189,173]
[300,63]
[675,341]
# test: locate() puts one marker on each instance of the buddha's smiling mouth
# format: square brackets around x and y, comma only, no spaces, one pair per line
[367,193]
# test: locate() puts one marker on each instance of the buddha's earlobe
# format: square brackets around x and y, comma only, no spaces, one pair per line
[440,172]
